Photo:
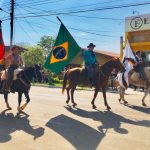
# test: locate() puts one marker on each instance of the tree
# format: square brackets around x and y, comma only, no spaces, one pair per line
[46,42]
[34,55]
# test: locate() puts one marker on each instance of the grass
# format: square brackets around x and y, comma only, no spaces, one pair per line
[59,85]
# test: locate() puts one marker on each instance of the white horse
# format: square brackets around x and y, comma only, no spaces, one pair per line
[134,79]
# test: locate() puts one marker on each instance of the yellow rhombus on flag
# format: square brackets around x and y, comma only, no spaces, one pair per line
[60,53]
[64,50]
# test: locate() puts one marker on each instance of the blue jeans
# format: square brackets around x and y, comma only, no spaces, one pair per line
[140,69]
[90,69]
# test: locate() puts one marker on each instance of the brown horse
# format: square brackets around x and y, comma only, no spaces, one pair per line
[77,76]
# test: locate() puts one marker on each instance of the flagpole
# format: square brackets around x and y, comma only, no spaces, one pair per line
[59,20]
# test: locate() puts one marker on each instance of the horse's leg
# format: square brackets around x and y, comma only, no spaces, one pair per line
[122,92]
[95,95]
[146,92]
[72,93]
[68,95]
[19,101]
[6,101]
[104,96]
[27,100]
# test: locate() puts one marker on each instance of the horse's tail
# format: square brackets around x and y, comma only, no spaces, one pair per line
[64,82]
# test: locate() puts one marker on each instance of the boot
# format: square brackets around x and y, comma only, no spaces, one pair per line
[91,82]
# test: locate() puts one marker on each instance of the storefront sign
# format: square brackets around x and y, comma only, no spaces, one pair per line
[137,23]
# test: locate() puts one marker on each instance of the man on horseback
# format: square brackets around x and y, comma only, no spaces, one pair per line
[89,58]
[15,62]
[139,66]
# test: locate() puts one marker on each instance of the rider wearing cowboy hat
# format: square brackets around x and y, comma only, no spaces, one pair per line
[15,62]
[89,58]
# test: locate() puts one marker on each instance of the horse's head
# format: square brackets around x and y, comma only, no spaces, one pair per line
[118,65]
[37,74]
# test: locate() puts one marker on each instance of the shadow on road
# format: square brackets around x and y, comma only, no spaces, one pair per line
[108,118]
[10,123]
[145,110]
[80,135]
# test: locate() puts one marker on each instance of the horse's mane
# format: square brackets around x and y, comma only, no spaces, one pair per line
[109,61]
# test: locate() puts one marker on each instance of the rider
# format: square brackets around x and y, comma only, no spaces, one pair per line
[15,62]
[89,58]
[139,65]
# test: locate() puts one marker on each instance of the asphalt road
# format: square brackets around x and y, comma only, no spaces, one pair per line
[49,124]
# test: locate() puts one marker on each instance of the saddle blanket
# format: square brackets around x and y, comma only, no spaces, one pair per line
[123,78]
[16,72]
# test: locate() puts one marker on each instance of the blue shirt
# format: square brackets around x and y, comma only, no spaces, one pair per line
[89,57]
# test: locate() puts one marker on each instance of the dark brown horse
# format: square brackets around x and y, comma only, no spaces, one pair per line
[77,76]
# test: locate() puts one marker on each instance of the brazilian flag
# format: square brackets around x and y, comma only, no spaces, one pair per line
[64,50]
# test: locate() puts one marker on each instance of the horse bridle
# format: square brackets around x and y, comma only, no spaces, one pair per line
[36,76]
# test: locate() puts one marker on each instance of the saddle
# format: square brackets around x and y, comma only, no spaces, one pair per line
[135,76]
[15,76]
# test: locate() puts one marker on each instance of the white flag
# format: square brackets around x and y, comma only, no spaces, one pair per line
[128,54]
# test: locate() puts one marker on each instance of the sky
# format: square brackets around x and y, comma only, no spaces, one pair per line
[101,27]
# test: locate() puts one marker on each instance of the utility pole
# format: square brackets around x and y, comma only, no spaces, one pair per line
[11,21]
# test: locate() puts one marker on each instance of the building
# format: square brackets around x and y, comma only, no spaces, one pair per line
[137,32]
[102,57]
[7,48]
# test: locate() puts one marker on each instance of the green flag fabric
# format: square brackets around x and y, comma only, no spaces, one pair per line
[64,50]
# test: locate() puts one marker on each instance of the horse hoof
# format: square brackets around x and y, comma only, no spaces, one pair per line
[125,102]
[67,101]
[144,104]
[19,109]
[23,106]
[9,108]
[74,104]
[108,107]
[94,107]
[119,99]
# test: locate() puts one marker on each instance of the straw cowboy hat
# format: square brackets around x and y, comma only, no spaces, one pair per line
[91,45]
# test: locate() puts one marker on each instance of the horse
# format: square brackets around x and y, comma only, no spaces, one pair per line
[22,85]
[77,76]
[134,79]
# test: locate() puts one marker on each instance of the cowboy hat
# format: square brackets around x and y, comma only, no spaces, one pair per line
[14,48]
[91,45]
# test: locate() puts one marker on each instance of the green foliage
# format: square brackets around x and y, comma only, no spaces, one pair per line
[46,42]
[53,79]
[34,55]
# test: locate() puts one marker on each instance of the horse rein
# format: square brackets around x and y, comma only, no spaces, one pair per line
[36,76]
[103,71]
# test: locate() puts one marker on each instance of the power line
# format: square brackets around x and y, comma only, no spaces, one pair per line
[41,3]
[23,29]
[54,11]
[99,18]
[89,10]
[89,17]
[30,25]
[93,4]
[78,29]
